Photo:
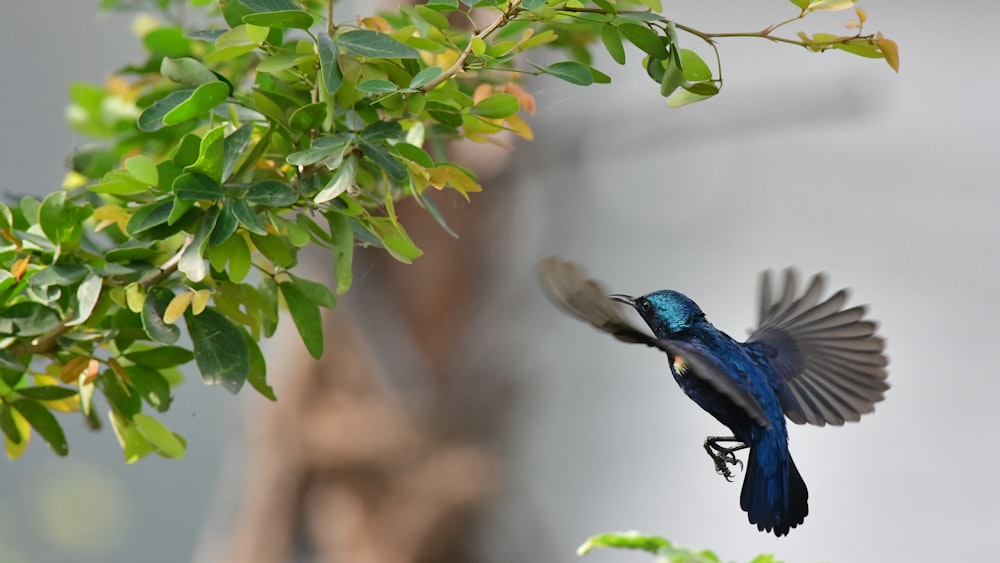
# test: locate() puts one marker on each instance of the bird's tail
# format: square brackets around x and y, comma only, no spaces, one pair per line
[774,495]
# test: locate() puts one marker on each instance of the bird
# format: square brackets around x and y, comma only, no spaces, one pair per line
[810,360]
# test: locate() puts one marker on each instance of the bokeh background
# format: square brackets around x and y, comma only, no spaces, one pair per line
[823,161]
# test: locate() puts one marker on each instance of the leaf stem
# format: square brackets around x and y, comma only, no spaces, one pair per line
[510,13]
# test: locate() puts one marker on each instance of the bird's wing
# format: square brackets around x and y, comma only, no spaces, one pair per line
[571,290]
[829,362]
[584,298]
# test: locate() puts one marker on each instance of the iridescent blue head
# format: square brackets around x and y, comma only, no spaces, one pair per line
[667,312]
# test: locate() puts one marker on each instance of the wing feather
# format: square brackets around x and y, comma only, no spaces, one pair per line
[830,364]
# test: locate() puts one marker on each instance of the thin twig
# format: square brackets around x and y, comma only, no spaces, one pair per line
[506,16]
[330,28]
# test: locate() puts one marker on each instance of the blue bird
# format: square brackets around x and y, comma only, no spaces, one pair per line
[809,360]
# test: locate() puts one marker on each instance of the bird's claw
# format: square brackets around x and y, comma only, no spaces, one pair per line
[723,460]
[724,457]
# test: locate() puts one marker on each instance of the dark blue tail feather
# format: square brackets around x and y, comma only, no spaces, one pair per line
[774,495]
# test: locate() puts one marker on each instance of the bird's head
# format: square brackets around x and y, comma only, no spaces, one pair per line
[667,312]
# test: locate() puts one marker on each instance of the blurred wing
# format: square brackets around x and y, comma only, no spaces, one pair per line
[828,359]
[584,298]
[570,289]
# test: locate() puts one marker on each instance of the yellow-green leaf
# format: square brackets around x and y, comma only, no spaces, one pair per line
[165,442]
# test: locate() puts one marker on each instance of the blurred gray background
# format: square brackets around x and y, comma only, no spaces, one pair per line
[823,161]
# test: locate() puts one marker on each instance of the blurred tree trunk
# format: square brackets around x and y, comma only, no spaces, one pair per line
[384,451]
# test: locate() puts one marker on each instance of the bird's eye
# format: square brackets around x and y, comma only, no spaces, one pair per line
[644,305]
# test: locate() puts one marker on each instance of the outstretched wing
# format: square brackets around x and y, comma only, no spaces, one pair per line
[828,359]
[584,298]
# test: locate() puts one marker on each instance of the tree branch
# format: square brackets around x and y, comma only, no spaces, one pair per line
[459,66]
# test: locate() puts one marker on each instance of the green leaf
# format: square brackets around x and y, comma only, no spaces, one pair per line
[165,442]
[152,385]
[225,226]
[87,295]
[341,180]
[276,249]
[120,399]
[192,262]
[118,182]
[378,130]
[343,249]
[612,40]
[830,5]
[277,13]
[444,113]
[384,159]
[239,40]
[499,106]
[187,71]
[168,41]
[673,77]
[572,72]
[330,147]
[133,444]
[247,216]
[233,147]
[160,356]
[306,316]
[368,43]
[29,318]
[532,4]
[203,99]
[626,540]
[432,16]
[50,216]
[239,260]
[211,152]
[695,69]
[219,349]
[861,47]
[414,153]
[606,6]
[148,217]
[258,368]
[143,168]
[329,63]
[8,425]
[47,392]
[182,105]
[44,423]
[307,117]
[644,38]
[196,187]
[690,94]
[271,193]
[377,86]
[157,299]
[59,274]
[424,77]
[318,293]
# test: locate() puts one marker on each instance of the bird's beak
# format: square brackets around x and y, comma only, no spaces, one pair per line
[622,298]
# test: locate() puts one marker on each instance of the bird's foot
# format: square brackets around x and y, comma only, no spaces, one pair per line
[723,456]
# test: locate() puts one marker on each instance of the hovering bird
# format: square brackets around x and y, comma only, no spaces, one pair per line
[809,360]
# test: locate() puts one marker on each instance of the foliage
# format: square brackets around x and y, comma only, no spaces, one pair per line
[664,551]
[231,148]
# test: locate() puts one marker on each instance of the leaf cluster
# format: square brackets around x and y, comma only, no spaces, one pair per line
[663,549]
